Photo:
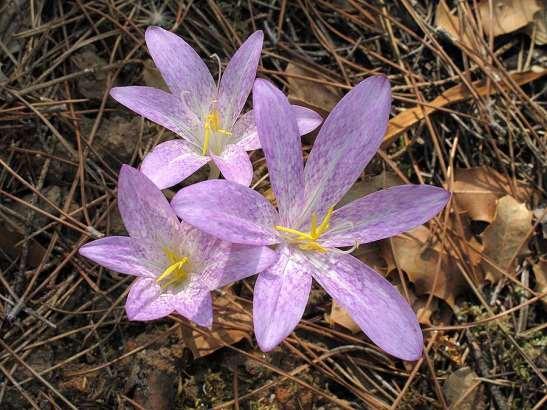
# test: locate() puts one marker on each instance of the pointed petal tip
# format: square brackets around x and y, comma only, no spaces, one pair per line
[152,30]
[127,171]
[261,85]
[267,345]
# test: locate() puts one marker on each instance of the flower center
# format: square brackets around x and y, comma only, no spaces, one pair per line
[307,241]
[174,274]
[212,125]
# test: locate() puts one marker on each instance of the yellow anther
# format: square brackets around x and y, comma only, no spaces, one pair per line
[307,241]
[212,124]
[175,273]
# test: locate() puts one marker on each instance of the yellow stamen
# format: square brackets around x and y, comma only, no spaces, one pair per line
[175,273]
[212,124]
[307,241]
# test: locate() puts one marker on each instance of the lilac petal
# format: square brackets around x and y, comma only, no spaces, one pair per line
[384,213]
[245,127]
[145,212]
[183,70]
[146,302]
[280,296]
[238,262]
[372,302]
[280,140]
[307,120]
[194,303]
[237,80]
[348,139]
[118,253]
[158,106]
[235,165]
[171,162]
[229,211]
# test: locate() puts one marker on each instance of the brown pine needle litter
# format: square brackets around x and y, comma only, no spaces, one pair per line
[468,114]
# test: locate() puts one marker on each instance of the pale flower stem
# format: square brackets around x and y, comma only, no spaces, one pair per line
[214,172]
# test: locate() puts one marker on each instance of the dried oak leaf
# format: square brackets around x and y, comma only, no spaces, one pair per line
[417,253]
[410,116]
[476,191]
[313,94]
[451,25]
[503,238]
[231,324]
[507,16]
[540,273]
[463,390]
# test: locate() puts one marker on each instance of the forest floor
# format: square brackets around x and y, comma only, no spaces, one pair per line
[468,114]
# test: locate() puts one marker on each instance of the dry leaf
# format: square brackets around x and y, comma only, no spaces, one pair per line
[508,15]
[451,24]
[505,17]
[538,30]
[417,252]
[503,238]
[310,93]
[405,119]
[230,326]
[463,390]
[476,191]
[540,273]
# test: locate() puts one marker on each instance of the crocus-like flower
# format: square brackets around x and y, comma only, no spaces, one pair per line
[307,228]
[206,117]
[176,265]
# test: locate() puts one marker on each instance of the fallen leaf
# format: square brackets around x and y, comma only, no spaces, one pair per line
[538,30]
[405,119]
[310,93]
[503,238]
[416,252]
[339,316]
[463,390]
[230,326]
[540,273]
[476,191]
[451,25]
[508,15]
[504,17]
[94,84]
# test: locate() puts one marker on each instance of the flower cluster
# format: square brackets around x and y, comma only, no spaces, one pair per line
[228,231]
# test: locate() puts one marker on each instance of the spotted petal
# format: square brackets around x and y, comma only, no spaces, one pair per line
[237,262]
[237,80]
[280,140]
[247,136]
[234,164]
[160,107]
[171,162]
[348,139]
[280,296]
[118,253]
[229,211]
[183,70]
[383,214]
[372,302]
[145,212]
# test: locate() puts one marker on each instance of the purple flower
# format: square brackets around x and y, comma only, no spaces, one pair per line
[206,118]
[307,228]
[176,265]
